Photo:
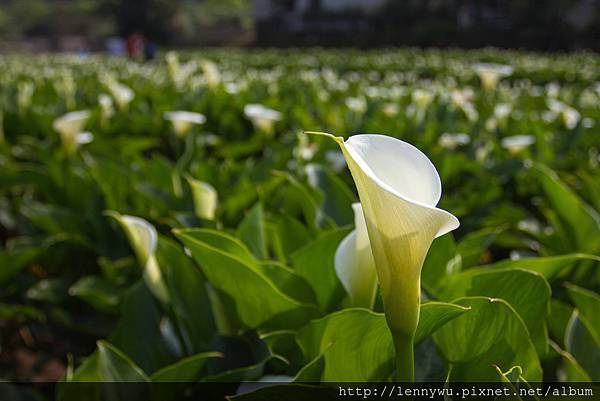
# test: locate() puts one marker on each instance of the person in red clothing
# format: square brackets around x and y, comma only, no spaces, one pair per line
[135,45]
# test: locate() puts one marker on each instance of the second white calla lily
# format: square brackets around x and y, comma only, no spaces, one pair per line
[354,263]
[399,189]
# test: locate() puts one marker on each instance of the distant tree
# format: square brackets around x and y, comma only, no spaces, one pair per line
[153,18]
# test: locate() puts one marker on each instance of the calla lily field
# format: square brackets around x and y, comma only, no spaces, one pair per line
[300,216]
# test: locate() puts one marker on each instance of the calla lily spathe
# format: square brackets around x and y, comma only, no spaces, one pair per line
[69,127]
[517,143]
[183,121]
[206,198]
[354,263]
[490,74]
[211,73]
[262,117]
[399,189]
[143,239]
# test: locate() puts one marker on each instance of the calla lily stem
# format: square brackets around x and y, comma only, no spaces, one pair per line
[405,359]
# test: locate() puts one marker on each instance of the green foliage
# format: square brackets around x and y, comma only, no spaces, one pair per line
[251,290]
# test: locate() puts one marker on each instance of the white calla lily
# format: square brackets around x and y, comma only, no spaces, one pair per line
[399,189]
[122,94]
[354,263]
[490,74]
[517,143]
[143,239]
[69,127]
[183,121]
[106,106]
[262,117]
[211,73]
[452,141]
[206,199]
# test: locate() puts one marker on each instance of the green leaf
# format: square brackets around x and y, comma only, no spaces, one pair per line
[527,292]
[573,371]
[287,392]
[247,373]
[492,333]
[583,344]
[441,262]
[577,221]
[189,299]
[51,290]
[96,291]
[508,377]
[185,370]
[289,282]
[297,197]
[550,267]
[315,262]
[473,245]
[258,302]
[434,315]
[141,318]
[337,197]
[356,344]
[558,319]
[312,371]
[286,235]
[109,364]
[13,260]
[588,304]
[253,232]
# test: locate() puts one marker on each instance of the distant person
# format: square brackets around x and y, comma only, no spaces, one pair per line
[83,52]
[149,50]
[135,45]
[115,46]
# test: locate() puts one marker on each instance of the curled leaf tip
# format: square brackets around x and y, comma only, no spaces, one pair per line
[338,139]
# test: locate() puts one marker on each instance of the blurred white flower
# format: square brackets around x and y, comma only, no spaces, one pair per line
[211,73]
[452,141]
[391,109]
[587,122]
[305,150]
[356,104]
[570,116]
[422,98]
[553,89]
[179,73]
[122,94]
[517,143]
[183,121]
[490,74]
[70,127]
[106,106]
[502,110]
[262,117]
[205,198]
